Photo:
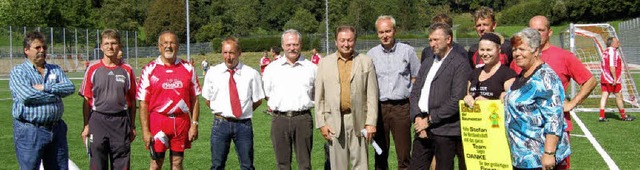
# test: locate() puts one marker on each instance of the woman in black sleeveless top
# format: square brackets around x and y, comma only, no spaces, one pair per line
[489,82]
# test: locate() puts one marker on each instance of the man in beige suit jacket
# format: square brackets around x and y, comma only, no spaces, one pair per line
[346,97]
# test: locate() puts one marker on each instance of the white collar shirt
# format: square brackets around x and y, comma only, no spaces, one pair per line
[290,87]
[216,89]
[423,102]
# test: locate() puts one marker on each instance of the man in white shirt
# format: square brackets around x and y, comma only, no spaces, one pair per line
[233,91]
[288,84]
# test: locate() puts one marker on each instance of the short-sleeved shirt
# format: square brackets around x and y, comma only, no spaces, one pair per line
[492,87]
[168,88]
[533,109]
[394,69]
[290,86]
[216,89]
[205,64]
[264,61]
[611,58]
[315,59]
[567,66]
[109,89]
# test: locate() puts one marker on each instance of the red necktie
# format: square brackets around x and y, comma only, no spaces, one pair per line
[233,95]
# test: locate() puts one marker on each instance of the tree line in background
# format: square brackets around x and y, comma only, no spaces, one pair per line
[210,19]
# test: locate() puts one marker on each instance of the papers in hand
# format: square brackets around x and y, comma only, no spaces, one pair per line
[375,145]
[162,137]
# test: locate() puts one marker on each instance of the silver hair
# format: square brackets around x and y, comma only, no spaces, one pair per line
[168,32]
[291,31]
[531,37]
[389,17]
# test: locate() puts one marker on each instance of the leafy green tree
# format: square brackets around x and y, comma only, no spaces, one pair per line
[165,15]
[521,13]
[360,15]
[207,32]
[240,17]
[120,14]
[276,13]
[29,13]
[601,10]
[303,21]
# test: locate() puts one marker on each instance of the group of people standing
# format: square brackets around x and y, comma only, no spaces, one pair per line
[358,98]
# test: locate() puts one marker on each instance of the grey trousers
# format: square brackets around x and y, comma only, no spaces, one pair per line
[296,132]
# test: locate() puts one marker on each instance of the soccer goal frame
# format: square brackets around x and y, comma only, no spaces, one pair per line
[588,42]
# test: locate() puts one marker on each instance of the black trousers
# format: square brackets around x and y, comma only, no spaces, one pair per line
[446,148]
[110,140]
[422,153]
[327,162]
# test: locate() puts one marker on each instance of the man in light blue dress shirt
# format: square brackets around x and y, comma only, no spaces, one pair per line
[397,66]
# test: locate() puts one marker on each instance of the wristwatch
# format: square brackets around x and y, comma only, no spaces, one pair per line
[194,122]
[550,153]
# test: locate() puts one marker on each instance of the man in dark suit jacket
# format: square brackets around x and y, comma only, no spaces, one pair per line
[434,100]
[442,18]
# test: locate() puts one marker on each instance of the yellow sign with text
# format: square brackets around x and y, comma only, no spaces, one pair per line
[484,136]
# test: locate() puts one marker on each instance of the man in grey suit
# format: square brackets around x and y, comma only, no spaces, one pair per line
[346,96]
[434,98]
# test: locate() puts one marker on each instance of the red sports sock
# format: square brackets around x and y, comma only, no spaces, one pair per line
[622,114]
[601,113]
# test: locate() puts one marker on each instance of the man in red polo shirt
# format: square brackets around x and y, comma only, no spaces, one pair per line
[168,93]
[566,65]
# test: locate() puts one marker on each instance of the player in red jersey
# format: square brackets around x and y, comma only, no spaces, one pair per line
[168,92]
[264,61]
[610,80]
[109,90]
[315,57]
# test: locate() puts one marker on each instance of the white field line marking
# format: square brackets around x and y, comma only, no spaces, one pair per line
[612,165]
[576,135]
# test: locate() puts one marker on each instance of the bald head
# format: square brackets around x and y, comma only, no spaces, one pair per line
[541,20]
[541,24]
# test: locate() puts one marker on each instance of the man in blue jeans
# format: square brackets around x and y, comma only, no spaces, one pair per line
[37,89]
[233,91]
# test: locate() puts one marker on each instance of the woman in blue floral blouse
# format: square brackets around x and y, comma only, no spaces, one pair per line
[533,105]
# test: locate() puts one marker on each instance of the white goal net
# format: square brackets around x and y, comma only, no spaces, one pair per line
[587,42]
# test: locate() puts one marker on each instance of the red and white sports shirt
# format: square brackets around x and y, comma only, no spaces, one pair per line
[109,89]
[264,61]
[611,58]
[168,88]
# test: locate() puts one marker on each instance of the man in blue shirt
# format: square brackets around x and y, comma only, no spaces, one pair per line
[397,66]
[37,89]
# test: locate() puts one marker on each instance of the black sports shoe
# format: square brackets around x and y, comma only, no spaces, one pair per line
[629,118]
[602,119]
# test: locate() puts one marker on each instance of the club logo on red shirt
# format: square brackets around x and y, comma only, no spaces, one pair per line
[172,84]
